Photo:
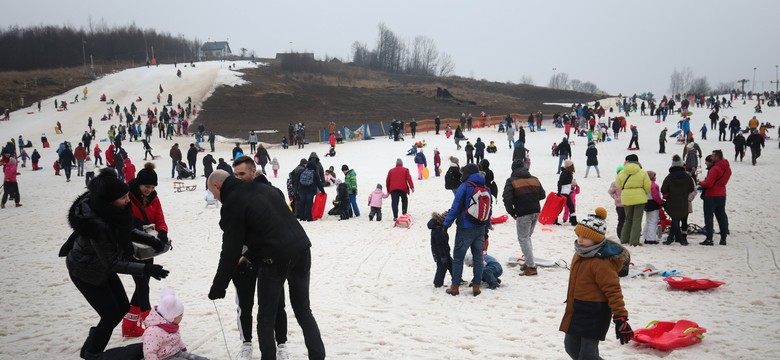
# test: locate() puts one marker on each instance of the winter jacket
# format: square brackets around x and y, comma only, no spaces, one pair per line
[717,178]
[755,141]
[479,148]
[654,200]
[80,153]
[351,180]
[452,177]
[460,203]
[161,337]
[100,243]
[564,148]
[35,156]
[97,151]
[252,138]
[436,158]
[739,142]
[10,169]
[66,157]
[129,171]
[634,183]
[594,293]
[676,187]
[419,158]
[313,158]
[398,178]
[491,270]
[440,241]
[262,157]
[316,184]
[257,216]
[592,155]
[490,180]
[564,181]
[192,155]
[208,163]
[225,167]
[341,203]
[522,192]
[147,213]
[375,198]
[175,153]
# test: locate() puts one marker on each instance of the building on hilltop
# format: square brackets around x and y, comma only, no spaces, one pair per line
[214,50]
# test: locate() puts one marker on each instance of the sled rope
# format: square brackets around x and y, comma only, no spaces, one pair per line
[222,328]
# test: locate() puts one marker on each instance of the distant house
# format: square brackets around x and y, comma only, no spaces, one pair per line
[214,50]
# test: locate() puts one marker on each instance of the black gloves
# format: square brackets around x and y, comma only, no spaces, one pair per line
[622,329]
[147,239]
[216,293]
[163,236]
[155,271]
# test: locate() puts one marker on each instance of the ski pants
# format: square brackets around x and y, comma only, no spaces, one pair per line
[525,228]
[633,225]
[110,302]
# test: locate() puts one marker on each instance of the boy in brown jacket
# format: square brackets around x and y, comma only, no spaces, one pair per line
[594,294]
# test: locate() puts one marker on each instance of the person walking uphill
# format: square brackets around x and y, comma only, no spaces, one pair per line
[470,233]
[175,155]
[10,185]
[594,294]
[522,194]
[756,142]
[262,158]
[99,248]
[351,180]
[256,215]
[714,195]
[398,184]
[309,182]
[634,184]
[564,152]
[421,162]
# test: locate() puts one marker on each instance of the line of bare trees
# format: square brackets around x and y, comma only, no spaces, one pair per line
[392,54]
[561,81]
[47,46]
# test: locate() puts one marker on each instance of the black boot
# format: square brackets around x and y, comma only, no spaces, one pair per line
[723,240]
[707,242]
[684,240]
[669,241]
[573,220]
[87,344]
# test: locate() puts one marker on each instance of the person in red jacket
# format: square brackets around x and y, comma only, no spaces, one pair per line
[714,188]
[80,153]
[97,153]
[129,171]
[332,140]
[398,183]
[110,161]
[147,210]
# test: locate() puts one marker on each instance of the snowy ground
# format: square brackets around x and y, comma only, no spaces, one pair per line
[371,287]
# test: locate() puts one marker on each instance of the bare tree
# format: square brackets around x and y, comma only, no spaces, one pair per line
[446,66]
[559,81]
[680,80]
[699,87]
[527,79]
[588,87]
[724,88]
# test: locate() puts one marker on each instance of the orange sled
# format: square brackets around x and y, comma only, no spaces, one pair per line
[669,335]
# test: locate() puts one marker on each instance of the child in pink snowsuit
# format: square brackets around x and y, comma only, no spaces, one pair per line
[162,339]
[375,203]
[575,189]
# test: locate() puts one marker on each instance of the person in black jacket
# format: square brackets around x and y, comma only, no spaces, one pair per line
[739,147]
[306,191]
[522,193]
[484,165]
[67,160]
[192,159]
[756,142]
[256,215]
[341,204]
[564,188]
[440,248]
[99,248]
[222,165]
[452,177]
[208,166]
[564,152]
[592,154]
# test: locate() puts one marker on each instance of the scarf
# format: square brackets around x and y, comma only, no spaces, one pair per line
[170,328]
[588,252]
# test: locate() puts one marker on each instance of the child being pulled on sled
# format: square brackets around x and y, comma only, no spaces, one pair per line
[162,340]
[594,294]
[440,248]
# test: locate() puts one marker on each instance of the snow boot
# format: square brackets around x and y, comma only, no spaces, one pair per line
[475,289]
[669,241]
[531,271]
[87,344]
[723,240]
[684,240]
[454,290]
[707,242]
[130,324]
[573,220]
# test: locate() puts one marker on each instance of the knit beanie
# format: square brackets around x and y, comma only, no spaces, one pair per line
[454,160]
[344,167]
[169,307]
[467,171]
[677,161]
[147,175]
[593,226]
[107,185]
[651,175]
[568,163]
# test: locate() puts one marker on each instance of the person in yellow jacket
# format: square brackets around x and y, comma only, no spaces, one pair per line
[753,124]
[635,185]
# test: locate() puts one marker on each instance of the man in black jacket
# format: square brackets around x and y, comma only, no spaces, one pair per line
[564,152]
[755,141]
[256,215]
[522,194]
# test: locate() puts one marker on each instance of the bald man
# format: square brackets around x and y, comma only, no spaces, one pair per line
[256,215]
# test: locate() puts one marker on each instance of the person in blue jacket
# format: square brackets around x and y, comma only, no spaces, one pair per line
[469,235]
[421,162]
[491,272]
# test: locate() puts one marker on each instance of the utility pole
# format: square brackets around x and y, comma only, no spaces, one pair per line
[84,54]
[753,87]
[743,81]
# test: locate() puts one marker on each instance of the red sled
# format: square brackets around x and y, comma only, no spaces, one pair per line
[670,335]
[319,206]
[404,221]
[552,207]
[499,219]
[686,283]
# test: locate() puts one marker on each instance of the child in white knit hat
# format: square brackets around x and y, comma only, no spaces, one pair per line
[162,340]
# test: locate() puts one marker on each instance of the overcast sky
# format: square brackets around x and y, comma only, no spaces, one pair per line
[621,46]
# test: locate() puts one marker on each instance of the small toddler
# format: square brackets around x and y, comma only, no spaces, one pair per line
[162,340]
[375,203]
[440,248]
[275,166]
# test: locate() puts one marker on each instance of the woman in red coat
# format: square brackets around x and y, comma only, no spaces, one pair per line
[147,210]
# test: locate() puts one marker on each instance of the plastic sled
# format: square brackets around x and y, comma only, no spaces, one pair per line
[30,112]
[546,229]
[499,219]
[404,221]
[515,260]
[426,173]
[642,270]
[552,207]
[318,208]
[671,272]
[541,129]
[686,283]
[632,149]
[669,335]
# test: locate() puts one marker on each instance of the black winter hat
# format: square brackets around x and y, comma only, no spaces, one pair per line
[467,171]
[632,158]
[344,167]
[107,185]
[147,175]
